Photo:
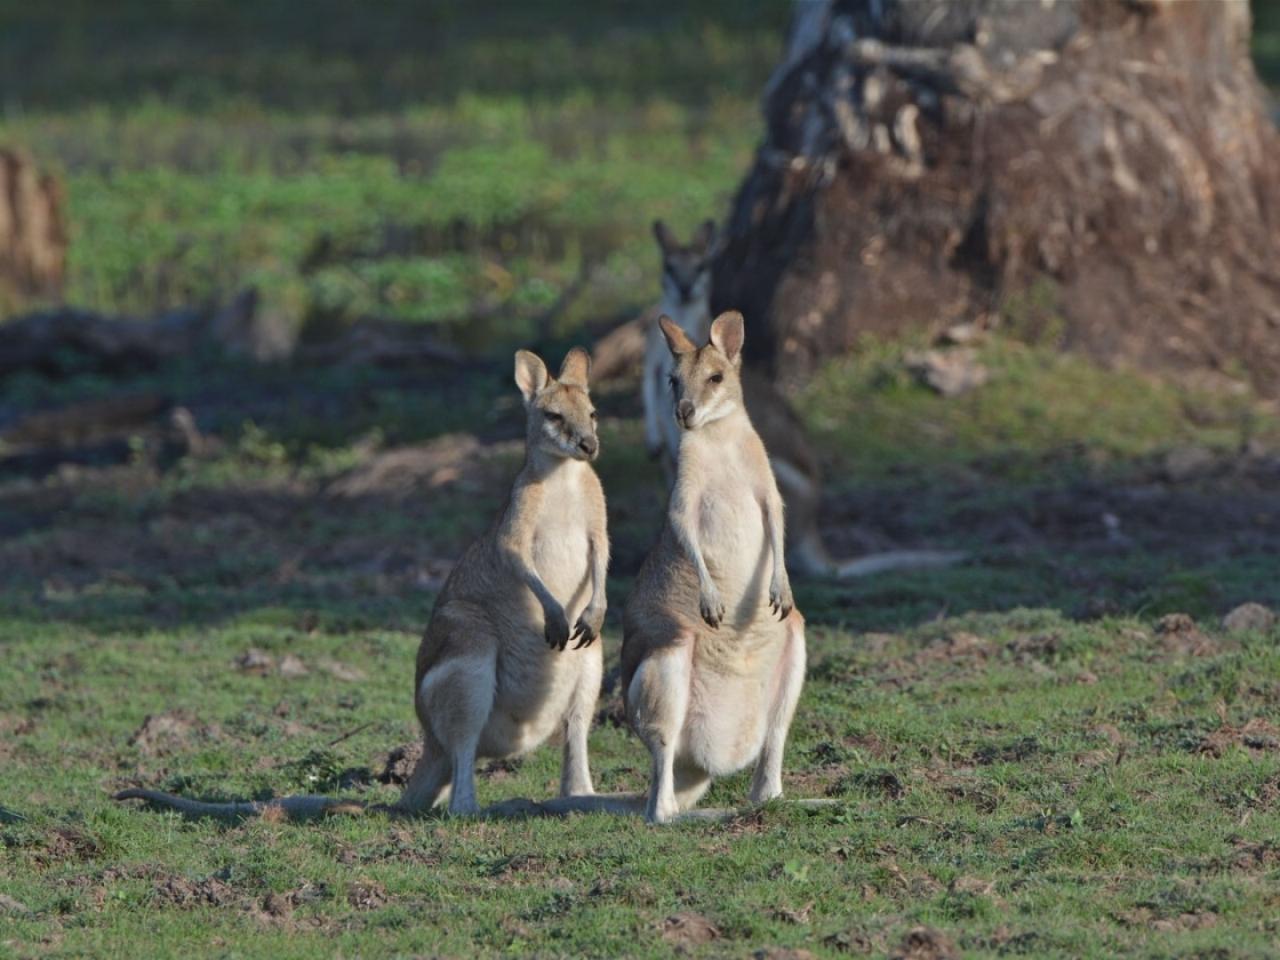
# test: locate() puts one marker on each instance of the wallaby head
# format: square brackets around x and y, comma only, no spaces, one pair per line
[706,383]
[686,270]
[562,418]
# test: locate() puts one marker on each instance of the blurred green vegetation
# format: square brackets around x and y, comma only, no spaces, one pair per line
[464,165]
[428,162]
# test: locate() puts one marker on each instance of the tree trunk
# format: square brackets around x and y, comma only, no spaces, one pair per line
[33,239]
[1098,173]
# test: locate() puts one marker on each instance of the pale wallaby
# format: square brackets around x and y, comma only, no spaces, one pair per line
[713,651]
[486,685]
[686,299]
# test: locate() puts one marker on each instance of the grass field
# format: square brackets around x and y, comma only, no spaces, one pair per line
[1031,756]
[1053,749]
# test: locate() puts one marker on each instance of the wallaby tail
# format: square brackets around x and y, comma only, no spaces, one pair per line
[307,807]
[809,557]
[311,807]
[897,560]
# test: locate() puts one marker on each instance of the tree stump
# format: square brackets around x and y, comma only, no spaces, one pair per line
[1099,174]
[33,237]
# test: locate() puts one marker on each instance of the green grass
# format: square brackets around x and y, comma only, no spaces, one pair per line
[992,801]
[1024,762]
[1041,409]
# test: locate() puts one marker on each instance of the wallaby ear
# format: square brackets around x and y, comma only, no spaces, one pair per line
[678,341]
[666,239]
[727,335]
[576,368]
[531,374]
[705,237]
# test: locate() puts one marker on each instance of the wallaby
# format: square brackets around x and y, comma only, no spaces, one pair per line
[713,650]
[486,686]
[686,299]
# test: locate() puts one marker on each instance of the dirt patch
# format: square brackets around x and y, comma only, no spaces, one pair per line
[799,916]
[1038,646]
[1015,752]
[1258,736]
[520,864]
[1250,856]
[182,892]
[399,764]
[170,732]
[64,844]
[685,930]
[850,941]
[879,783]
[925,943]
[1180,636]
[367,895]
[959,646]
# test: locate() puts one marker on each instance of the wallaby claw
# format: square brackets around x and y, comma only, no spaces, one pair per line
[557,632]
[781,603]
[584,633]
[712,611]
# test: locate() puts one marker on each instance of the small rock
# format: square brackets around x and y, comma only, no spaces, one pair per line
[1249,618]
[949,372]
[257,661]
[688,929]
[342,671]
[292,666]
[9,905]
[959,334]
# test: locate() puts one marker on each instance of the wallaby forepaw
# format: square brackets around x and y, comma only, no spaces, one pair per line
[587,629]
[712,609]
[557,630]
[781,602]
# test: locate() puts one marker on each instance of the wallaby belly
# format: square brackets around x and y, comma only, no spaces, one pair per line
[535,688]
[732,685]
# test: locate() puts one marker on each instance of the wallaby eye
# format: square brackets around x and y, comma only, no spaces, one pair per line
[554,417]
[672,380]
[717,377]
[593,415]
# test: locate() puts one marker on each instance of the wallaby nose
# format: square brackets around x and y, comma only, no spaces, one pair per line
[589,445]
[684,411]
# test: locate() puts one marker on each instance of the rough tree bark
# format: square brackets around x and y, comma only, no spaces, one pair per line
[1104,170]
[33,238]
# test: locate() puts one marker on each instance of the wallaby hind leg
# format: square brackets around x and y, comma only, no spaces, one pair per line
[657,703]
[787,682]
[457,698]
[575,773]
[430,778]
